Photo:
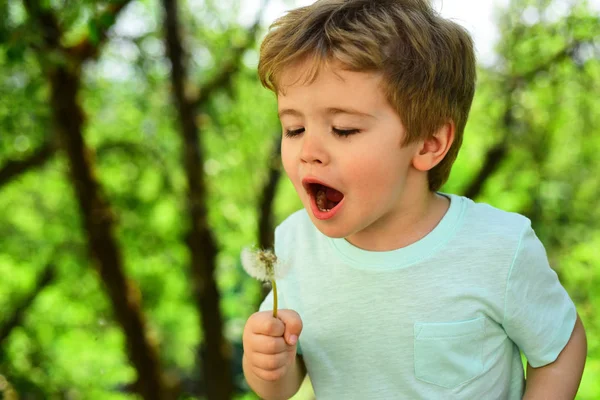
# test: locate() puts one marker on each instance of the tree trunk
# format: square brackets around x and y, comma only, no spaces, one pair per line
[98,222]
[202,247]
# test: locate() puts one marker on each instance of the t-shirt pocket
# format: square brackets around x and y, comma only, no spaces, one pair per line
[449,354]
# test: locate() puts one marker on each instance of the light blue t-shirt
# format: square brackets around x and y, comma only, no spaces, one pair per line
[443,318]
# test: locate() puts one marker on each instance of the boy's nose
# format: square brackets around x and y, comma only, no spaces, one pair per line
[313,150]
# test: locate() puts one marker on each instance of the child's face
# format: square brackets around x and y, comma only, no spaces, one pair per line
[342,150]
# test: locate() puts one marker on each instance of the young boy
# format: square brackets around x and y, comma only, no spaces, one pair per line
[397,291]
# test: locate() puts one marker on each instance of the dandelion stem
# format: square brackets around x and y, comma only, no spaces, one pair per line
[274,284]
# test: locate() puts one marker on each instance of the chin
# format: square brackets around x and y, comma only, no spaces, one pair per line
[330,229]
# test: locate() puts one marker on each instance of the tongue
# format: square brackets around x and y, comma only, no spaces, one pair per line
[328,198]
[334,195]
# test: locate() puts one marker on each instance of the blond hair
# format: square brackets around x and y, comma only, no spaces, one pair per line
[427,62]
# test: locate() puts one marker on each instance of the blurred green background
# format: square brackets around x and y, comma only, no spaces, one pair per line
[144,135]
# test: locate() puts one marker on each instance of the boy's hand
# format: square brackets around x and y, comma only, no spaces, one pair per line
[270,343]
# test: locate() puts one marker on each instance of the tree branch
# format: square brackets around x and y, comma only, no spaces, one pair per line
[48,25]
[498,152]
[269,189]
[89,47]
[266,224]
[526,77]
[12,169]
[141,150]
[232,66]
[493,160]
[18,314]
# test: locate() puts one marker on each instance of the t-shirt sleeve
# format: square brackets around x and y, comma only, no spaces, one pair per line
[539,315]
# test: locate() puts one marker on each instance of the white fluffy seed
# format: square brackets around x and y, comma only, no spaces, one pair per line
[262,264]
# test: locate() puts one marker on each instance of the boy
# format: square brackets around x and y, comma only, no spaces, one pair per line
[396,290]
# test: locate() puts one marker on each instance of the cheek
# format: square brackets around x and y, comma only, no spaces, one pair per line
[290,166]
[374,176]
[287,159]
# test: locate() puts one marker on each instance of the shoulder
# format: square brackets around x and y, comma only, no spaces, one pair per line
[492,221]
[492,230]
[296,223]
[295,231]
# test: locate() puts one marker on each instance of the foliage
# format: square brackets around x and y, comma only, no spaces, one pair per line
[539,101]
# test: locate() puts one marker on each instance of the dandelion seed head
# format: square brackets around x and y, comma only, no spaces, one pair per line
[262,264]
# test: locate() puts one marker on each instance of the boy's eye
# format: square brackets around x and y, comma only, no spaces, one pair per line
[345,132]
[339,132]
[292,133]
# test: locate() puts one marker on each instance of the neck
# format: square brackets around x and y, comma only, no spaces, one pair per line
[412,220]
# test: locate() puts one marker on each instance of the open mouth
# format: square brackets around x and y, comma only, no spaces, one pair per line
[325,198]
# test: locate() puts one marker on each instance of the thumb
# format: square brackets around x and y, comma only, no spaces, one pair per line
[293,325]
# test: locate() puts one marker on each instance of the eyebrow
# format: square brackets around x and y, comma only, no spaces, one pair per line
[330,110]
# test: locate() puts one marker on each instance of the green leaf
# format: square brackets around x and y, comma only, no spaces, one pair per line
[93,32]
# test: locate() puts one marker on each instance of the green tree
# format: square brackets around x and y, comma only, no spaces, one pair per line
[138,155]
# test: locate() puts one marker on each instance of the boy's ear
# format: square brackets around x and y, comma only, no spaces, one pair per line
[433,149]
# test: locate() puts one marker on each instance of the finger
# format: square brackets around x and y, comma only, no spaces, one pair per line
[270,362]
[271,376]
[293,325]
[263,323]
[267,344]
